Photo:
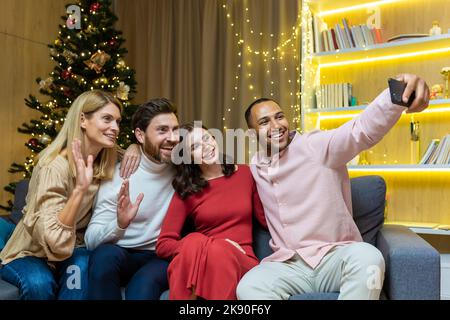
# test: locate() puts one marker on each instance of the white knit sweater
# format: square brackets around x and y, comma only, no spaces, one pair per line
[155,181]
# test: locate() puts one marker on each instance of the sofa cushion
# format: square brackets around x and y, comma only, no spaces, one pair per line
[7,290]
[368,201]
[325,296]
[164,295]
[19,200]
[261,240]
[316,296]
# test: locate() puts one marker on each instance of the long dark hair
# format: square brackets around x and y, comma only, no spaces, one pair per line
[188,178]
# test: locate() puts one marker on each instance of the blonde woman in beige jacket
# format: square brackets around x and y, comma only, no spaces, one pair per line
[45,257]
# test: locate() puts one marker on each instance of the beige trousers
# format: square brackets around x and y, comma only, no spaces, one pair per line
[355,270]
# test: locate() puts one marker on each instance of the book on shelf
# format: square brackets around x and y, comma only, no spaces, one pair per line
[377,35]
[317,28]
[342,36]
[438,152]
[430,151]
[348,33]
[325,40]
[335,95]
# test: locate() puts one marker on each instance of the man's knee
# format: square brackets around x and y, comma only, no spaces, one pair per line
[244,290]
[104,260]
[154,273]
[367,255]
[251,287]
[368,263]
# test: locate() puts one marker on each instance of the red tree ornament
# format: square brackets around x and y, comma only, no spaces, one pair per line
[112,42]
[67,92]
[66,74]
[34,142]
[94,7]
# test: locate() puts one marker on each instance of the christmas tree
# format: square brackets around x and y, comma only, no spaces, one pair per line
[88,55]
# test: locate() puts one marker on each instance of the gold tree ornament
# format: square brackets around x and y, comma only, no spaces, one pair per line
[45,139]
[121,64]
[97,61]
[91,29]
[69,55]
[122,91]
[48,123]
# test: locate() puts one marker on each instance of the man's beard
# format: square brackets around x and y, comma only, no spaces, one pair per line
[153,151]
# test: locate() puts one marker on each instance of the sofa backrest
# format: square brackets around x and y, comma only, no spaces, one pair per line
[19,200]
[368,201]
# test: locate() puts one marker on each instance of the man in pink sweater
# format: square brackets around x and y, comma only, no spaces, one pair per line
[305,189]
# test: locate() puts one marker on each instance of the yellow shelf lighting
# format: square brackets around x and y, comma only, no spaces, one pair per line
[352,115]
[400,170]
[384,58]
[355,7]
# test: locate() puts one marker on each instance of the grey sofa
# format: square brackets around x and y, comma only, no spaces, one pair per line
[412,265]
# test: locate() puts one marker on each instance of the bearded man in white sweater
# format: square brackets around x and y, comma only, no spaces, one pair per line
[123,235]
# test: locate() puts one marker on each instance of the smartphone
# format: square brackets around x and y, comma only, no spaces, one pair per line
[397,88]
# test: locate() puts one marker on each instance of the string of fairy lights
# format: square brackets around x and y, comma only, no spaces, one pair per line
[280,55]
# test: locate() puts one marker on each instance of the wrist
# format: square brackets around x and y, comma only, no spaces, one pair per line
[79,191]
[122,225]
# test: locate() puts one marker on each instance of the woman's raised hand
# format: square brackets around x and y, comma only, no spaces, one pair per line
[84,171]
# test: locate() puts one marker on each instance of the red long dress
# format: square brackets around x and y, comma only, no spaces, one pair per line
[204,260]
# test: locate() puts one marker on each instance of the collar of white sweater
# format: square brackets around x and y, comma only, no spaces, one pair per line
[151,166]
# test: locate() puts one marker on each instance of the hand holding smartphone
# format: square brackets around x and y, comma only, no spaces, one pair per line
[396,89]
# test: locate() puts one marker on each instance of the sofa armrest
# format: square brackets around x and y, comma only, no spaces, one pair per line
[412,265]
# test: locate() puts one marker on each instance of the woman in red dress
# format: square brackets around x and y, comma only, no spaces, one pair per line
[221,201]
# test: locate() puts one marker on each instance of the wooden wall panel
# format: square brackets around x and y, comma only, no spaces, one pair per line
[26,27]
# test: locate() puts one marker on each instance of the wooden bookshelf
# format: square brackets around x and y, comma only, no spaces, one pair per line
[423,228]
[399,168]
[415,192]
[438,105]
[437,44]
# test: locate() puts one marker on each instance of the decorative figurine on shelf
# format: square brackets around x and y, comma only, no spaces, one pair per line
[363,159]
[437,92]
[446,74]
[415,143]
[435,29]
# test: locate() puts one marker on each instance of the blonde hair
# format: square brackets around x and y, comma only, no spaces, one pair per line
[87,103]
